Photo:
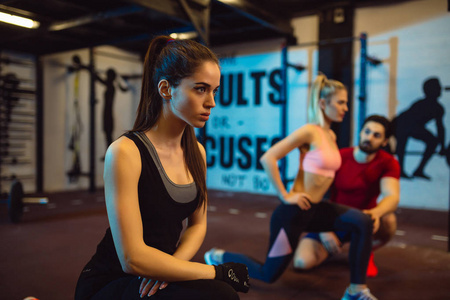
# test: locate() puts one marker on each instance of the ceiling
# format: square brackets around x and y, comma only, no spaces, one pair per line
[130,24]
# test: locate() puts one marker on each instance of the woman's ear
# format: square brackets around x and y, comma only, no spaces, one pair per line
[322,103]
[164,89]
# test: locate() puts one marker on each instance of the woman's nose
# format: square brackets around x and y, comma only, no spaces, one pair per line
[211,102]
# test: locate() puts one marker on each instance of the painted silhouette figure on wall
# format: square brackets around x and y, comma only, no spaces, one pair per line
[411,124]
[108,116]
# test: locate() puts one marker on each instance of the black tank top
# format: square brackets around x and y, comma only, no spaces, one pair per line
[162,216]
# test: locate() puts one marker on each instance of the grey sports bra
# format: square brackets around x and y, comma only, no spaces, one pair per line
[181,193]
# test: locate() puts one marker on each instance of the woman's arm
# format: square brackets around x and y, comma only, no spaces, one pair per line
[193,236]
[121,176]
[269,160]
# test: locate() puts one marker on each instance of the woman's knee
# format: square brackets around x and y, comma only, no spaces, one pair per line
[206,290]
[222,291]
[356,221]
[362,222]
[367,224]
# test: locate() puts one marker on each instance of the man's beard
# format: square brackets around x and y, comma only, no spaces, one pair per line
[367,148]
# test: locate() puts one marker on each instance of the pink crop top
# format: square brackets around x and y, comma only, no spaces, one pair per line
[324,160]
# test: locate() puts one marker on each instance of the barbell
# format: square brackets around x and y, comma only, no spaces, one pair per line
[17,199]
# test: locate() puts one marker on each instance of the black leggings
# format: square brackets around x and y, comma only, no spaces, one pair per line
[289,221]
[100,286]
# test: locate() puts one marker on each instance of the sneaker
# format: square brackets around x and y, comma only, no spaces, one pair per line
[212,257]
[372,269]
[362,295]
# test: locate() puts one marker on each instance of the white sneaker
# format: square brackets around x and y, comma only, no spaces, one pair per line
[213,257]
[362,295]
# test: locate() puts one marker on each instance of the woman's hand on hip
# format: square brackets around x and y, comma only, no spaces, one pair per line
[303,200]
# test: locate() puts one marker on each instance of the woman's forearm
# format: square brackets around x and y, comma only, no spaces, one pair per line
[190,241]
[270,165]
[153,263]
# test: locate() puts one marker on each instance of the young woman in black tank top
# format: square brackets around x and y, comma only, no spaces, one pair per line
[155,179]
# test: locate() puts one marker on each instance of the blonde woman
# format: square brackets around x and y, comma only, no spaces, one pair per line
[302,208]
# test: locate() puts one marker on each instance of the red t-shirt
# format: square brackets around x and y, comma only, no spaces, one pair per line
[358,184]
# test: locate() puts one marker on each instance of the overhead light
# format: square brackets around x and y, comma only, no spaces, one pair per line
[231,1]
[18,21]
[184,35]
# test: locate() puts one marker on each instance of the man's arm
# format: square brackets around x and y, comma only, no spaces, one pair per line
[390,192]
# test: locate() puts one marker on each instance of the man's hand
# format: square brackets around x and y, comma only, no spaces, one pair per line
[375,219]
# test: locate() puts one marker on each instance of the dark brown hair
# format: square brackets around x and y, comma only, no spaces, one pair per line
[173,60]
[382,121]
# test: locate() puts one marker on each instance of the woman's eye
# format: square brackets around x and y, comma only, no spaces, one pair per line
[201,89]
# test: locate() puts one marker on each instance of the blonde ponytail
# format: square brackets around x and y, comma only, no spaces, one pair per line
[322,88]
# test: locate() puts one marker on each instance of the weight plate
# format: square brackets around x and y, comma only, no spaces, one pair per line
[15,204]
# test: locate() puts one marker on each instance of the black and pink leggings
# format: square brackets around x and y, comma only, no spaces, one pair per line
[289,221]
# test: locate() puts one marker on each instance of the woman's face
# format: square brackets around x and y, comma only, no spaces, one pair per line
[193,99]
[337,107]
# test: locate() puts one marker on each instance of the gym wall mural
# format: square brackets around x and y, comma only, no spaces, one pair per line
[412,123]
[109,90]
[110,85]
[110,81]
[411,87]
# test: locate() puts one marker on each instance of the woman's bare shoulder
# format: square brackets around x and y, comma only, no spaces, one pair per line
[123,147]
[305,132]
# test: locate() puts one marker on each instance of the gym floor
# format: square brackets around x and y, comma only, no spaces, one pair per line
[43,254]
